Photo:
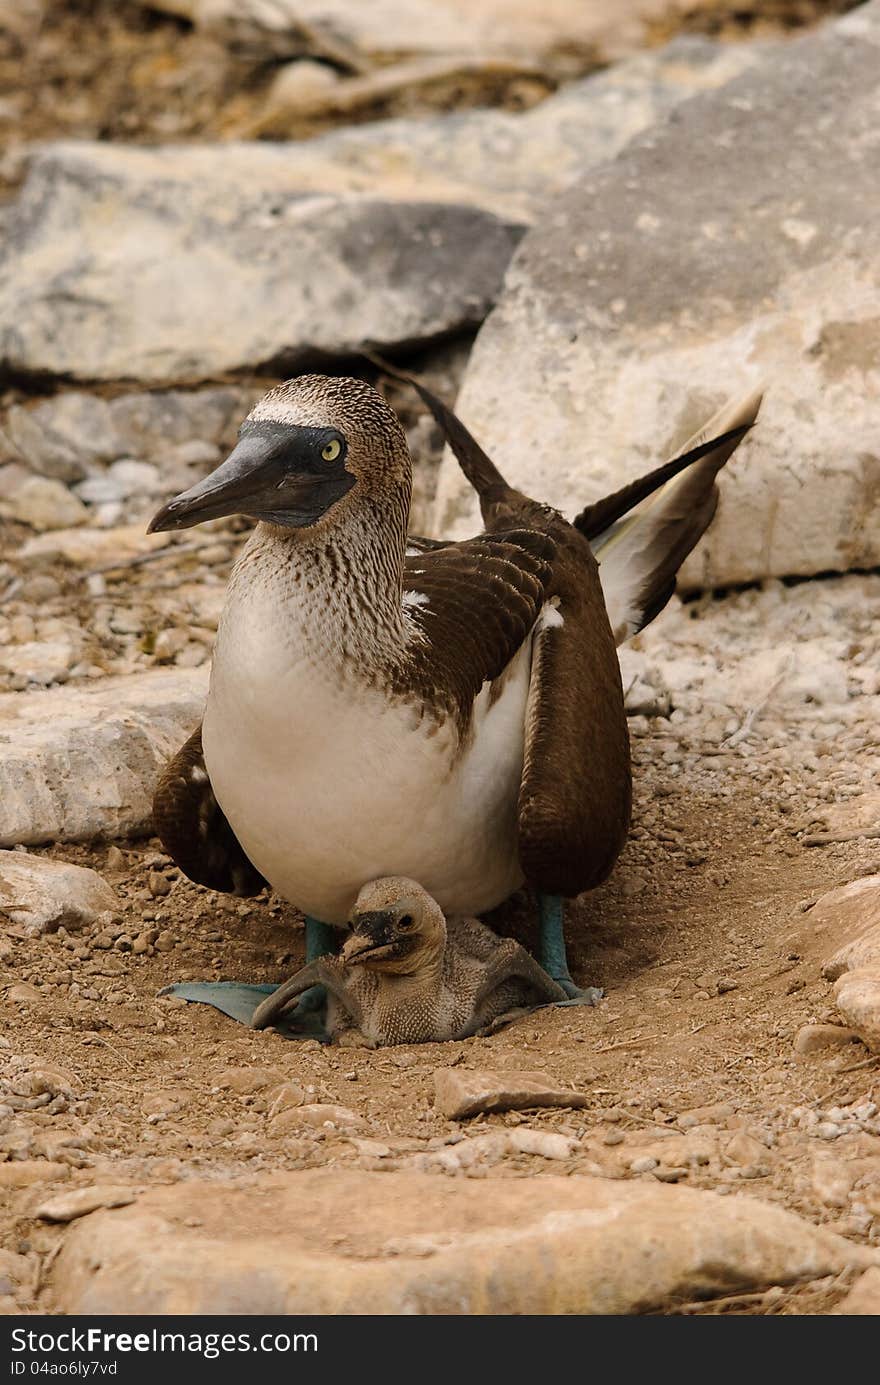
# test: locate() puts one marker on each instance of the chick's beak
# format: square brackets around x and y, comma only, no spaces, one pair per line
[372,934]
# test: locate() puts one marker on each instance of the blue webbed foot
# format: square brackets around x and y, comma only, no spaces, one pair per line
[307,1020]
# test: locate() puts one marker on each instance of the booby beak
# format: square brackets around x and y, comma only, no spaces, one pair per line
[277,472]
[374,938]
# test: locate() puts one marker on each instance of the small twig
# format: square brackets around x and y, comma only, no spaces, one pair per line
[646,1120]
[140,558]
[96,1039]
[10,590]
[45,1266]
[754,712]
[855,1067]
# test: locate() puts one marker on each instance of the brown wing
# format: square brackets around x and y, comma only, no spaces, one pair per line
[575,797]
[194,830]
[479,603]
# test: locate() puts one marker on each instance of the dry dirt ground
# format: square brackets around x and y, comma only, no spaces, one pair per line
[701,940]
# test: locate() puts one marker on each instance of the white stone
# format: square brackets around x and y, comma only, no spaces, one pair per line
[44,503]
[384,29]
[192,261]
[80,762]
[42,894]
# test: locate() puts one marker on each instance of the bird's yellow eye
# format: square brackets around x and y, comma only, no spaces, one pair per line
[331,450]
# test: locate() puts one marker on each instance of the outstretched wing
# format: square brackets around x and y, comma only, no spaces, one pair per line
[475,604]
[193,829]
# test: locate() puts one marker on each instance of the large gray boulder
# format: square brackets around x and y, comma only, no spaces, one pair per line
[735,244]
[193,260]
[178,264]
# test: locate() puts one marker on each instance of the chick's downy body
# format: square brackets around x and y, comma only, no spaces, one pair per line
[407,975]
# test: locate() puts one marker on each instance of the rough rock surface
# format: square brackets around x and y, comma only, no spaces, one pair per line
[414,1243]
[508,163]
[41,894]
[843,927]
[633,310]
[82,762]
[849,920]
[857,996]
[863,1298]
[384,29]
[190,263]
[460,1093]
[64,1207]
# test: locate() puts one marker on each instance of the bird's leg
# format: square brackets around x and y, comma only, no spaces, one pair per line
[551,912]
[320,942]
[324,974]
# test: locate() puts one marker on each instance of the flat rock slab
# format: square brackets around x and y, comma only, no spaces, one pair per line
[332,1241]
[81,762]
[42,895]
[191,262]
[737,244]
[844,822]
[24,1173]
[384,29]
[463,1092]
[842,929]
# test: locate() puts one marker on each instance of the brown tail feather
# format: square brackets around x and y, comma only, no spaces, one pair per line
[641,552]
[595,519]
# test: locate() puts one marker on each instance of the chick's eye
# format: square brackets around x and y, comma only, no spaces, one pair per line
[405,921]
[331,450]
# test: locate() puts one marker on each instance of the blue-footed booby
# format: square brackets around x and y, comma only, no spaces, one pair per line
[454,716]
[407,975]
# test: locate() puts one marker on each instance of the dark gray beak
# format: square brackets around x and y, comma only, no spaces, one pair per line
[372,934]
[275,473]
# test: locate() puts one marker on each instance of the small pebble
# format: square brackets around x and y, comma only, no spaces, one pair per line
[643,1165]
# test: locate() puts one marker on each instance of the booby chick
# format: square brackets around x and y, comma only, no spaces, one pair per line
[406,975]
[454,717]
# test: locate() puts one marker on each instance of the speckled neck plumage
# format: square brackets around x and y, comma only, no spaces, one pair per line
[339,589]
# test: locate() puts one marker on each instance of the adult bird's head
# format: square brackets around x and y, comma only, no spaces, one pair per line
[396,926]
[308,450]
